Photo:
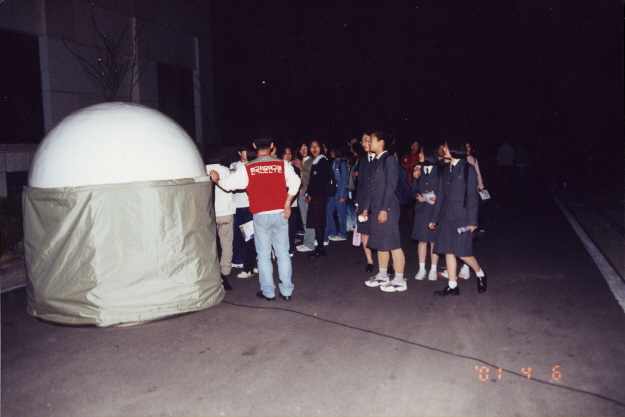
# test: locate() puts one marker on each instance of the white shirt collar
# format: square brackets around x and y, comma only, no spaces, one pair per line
[381,153]
[318,158]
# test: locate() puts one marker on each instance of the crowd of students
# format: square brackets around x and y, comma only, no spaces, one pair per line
[357,183]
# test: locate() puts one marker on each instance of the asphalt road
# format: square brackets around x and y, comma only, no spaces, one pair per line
[547,338]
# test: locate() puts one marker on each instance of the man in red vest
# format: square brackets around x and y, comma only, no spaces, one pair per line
[271,184]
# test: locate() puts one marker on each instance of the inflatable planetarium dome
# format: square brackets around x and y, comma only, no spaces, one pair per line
[118,225]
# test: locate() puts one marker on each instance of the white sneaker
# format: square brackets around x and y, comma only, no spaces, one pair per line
[244,274]
[376,281]
[256,270]
[237,265]
[432,275]
[420,275]
[303,248]
[395,285]
[464,274]
[337,238]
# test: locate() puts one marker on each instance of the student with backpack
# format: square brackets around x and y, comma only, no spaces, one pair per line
[455,216]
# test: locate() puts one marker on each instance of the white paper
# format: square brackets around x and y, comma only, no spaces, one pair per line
[248,230]
[484,194]
[427,197]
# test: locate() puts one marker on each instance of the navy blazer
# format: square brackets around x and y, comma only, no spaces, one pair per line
[427,183]
[384,176]
[450,199]
[364,181]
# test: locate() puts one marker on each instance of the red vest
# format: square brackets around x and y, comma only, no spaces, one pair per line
[267,188]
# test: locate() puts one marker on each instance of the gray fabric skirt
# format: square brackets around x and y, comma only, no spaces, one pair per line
[421,230]
[384,236]
[449,241]
[363,228]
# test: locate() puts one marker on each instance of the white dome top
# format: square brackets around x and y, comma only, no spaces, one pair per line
[112,143]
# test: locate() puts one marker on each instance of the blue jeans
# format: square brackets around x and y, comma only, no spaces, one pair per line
[309,234]
[351,215]
[241,216]
[341,211]
[272,229]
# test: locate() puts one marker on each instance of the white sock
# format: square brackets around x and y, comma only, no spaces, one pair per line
[452,284]
[399,277]
[383,273]
[421,266]
[464,269]
[433,268]
[480,273]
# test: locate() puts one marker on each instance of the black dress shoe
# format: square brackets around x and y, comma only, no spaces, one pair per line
[285,297]
[481,284]
[369,268]
[448,291]
[260,294]
[317,253]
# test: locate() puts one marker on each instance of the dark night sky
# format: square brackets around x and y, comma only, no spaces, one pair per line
[545,73]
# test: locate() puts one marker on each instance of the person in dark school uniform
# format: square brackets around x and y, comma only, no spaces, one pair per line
[455,216]
[316,195]
[427,184]
[384,207]
[362,194]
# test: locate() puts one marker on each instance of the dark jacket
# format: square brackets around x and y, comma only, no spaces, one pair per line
[385,173]
[450,199]
[364,181]
[340,175]
[427,183]
[320,175]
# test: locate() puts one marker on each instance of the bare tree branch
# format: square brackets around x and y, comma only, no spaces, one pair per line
[112,65]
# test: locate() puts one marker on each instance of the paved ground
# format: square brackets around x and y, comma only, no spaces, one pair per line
[548,321]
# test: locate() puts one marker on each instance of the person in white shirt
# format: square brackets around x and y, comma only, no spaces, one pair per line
[224,212]
[241,216]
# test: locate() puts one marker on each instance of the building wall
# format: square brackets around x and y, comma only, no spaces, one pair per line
[176,33]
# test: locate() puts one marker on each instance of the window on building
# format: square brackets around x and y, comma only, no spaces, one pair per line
[175,95]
